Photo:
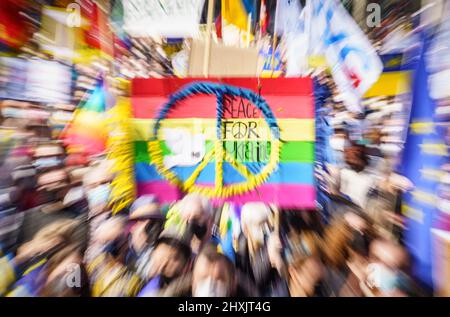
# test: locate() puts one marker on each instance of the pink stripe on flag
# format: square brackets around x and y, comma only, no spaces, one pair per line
[166,192]
[280,194]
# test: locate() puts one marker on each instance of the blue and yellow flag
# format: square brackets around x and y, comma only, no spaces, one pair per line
[424,154]
[237,19]
[236,12]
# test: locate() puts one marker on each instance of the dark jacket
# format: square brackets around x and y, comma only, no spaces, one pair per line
[182,287]
[266,278]
[35,219]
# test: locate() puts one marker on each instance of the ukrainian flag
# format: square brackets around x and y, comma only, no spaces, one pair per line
[235,15]
[236,12]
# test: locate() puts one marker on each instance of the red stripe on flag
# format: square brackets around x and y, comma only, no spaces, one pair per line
[269,86]
[283,107]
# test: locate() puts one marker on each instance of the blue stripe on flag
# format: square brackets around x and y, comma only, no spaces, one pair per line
[287,173]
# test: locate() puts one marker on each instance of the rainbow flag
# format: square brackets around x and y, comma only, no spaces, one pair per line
[88,132]
[190,128]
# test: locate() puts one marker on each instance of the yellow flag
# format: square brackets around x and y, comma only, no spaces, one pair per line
[233,12]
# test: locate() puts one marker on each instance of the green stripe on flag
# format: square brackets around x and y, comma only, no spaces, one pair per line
[245,151]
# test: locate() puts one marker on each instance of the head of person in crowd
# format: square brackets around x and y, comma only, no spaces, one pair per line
[312,221]
[386,271]
[44,240]
[359,224]
[197,212]
[53,185]
[374,136]
[147,222]
[305,269]
[24,176]
[48,156]
[335,244]
[64,230]
[110,237]
[304,277]
[66,275]
[46,243]
[256,221]
[17,177]
[301,243]
[40,132]
[356,157]
[396,183]
[14,113]
[170,259]
[96,183]
[362,233]
[340,138]
[213,274]
[76,197]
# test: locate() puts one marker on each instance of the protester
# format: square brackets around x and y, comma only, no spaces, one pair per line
[107,272]
[147,223]
[96,189]
[96,184]
[53,187]
[305,268]
[386,272]
[170,259]
[139,253]
[259,253]
[26,272]
[66,275]
[191,219]
[213,275]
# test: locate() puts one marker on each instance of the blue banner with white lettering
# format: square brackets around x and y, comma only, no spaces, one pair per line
[424,154]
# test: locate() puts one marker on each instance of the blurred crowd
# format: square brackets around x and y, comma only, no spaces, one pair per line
[59,237]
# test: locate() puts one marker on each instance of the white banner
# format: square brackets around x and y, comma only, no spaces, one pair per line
[354,63]
[168,18]
[48,81]
[287,16]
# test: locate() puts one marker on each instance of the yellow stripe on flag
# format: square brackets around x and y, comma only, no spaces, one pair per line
[422,127]
[232,129]
[412,213]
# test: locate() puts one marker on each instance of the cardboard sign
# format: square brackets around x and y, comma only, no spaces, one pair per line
[225,61]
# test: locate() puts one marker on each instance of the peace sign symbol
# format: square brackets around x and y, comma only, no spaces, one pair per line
[239,130]
[252,178]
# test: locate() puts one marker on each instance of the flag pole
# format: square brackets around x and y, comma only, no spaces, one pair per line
[274,42]
[272,62]
[262,11]
[249,24]
[208,38]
